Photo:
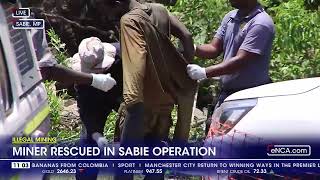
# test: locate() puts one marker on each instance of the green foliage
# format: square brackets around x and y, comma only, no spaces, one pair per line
[65,135]
[196,133]
[272,3]
[202,17]
[56,107]
[312,4]
[296,52]
[110,126]
[296,45]
[55,98]
[55,103]
[174,117]
[58,48]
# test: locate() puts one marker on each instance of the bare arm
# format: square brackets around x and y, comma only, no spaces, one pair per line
[253,46]
[210,51]
[181,32]
[65,75]
[232,65]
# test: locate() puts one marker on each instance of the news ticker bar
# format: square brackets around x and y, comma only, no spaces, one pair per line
[196,167]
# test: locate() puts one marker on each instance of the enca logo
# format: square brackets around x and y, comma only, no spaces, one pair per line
[288,150]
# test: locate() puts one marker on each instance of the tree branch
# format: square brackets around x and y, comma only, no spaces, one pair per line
[108,34]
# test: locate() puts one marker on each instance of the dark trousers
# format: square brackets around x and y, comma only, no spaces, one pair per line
[94,107]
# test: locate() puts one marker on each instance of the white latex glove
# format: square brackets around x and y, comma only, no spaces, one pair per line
[100,140]
[103,82]
[196,72]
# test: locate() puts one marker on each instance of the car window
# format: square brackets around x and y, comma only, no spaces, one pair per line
[18,40]
[23,50]
[5,87]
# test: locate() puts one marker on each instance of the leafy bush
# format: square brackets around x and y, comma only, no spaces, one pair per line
[56,107]
[202,18]
[196,133]
[58,48]
[55,103]
[55,98]
[295,53]
[110,126]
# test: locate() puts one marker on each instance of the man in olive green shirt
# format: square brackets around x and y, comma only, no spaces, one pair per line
[153,74]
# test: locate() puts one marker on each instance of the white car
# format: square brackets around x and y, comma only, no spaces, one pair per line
[24,109]
[283,111]
[279,113]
